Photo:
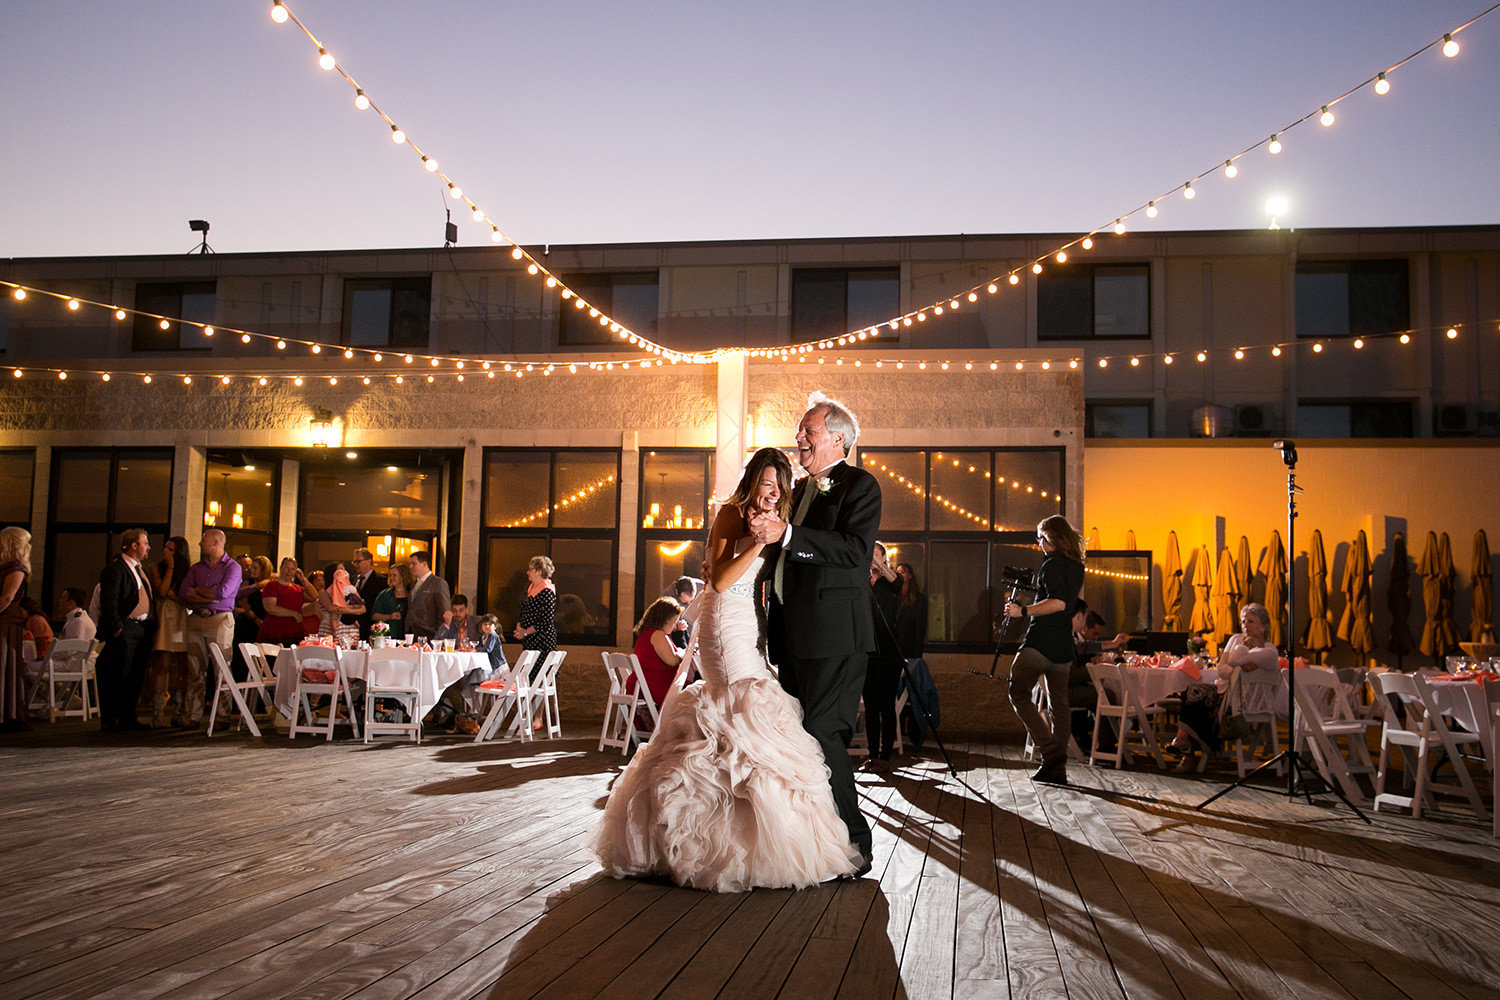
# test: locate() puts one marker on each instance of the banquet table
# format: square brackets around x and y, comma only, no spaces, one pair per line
[436,671]
[1152,684]
[1463,700]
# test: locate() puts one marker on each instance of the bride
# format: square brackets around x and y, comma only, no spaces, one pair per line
[731,792]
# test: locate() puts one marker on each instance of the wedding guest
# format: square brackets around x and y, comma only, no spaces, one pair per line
[911,614]
[312,611]
[1047,648]
[489,643]
[76,621]
[1248,654]
[430,597]
[250,611]
[126,622]
[390,603]
[283,598]
[209,591]
[15,570]
[369,583]
[684,591]
[573,617]
[883,668]
[536,626]
[658,657]
[1083,697]
[457,625]
[459,708]
[168,664]
[340,606]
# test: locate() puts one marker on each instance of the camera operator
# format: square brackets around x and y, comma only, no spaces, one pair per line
[1047,649]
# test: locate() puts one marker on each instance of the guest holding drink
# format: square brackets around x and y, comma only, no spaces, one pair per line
[283,598]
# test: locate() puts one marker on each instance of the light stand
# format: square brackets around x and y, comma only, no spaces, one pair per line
[1296,779]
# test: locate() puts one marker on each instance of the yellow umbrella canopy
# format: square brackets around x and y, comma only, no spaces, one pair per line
[1448,579]
[1482,605]
[1273,568]
[1171,586]
[1203,619]
[1355,625]
[1439,635]
[1226,599]
[1244,569]
[1398,598]
[1319,635]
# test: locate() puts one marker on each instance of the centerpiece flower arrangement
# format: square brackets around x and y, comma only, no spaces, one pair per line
[380,634]
[1196,645]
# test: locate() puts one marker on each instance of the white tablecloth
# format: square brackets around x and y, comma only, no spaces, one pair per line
[437,671]
[1153,684]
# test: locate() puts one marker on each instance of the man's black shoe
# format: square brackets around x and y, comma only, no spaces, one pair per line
[1055,773]
[865,864]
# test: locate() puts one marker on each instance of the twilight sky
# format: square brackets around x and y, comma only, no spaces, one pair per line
[603,122]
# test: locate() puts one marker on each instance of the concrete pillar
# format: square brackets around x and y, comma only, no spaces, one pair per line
[189,468]
[730,437]
[630,531]
[41,501]
[287,509]
[470,519]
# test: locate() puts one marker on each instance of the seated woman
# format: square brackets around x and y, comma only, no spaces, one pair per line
[653,647]
[459,710]
[1256,662]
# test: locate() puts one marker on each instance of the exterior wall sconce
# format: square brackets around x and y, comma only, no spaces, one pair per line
[324,430]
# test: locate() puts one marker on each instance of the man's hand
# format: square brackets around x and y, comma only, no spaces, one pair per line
[766,528]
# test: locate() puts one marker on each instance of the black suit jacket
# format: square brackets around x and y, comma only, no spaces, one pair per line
[826,582]
[118,596]
[368,591]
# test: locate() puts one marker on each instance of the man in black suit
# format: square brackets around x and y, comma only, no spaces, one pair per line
[369,584]
[820,628]
[127,623]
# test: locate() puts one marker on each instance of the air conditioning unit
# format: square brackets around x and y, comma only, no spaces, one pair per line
[1451,420]
[1487,422]
[1254,420]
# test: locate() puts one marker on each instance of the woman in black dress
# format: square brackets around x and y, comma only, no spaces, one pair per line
[536,622]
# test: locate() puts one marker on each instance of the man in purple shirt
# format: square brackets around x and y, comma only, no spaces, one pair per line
[209,591]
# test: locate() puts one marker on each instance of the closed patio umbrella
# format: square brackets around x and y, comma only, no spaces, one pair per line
[1226,599]
[1355,625]
[1447,594]
[1273,568]
[1171,586]
[1398,600]
[1483,602]
[1438,633]
[1319,635]
[1244,569]
[1202,619]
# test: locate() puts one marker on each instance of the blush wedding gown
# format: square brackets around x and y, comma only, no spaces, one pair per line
[731,792]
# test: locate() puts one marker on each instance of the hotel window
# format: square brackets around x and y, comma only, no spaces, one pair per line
[239,498]
[188,300]
[959,518]
[96,495]
[1117,418]
[387,312]
[1352,298]
[630,298]
[1093,302]
[16,470]
[675,489]
[1355,418]
[563,504]
[827,302]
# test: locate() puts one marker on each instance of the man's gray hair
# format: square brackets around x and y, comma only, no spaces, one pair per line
[837,417]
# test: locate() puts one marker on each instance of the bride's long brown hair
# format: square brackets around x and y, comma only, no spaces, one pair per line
[777,460]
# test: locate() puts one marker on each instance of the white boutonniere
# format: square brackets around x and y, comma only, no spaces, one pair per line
[823,484]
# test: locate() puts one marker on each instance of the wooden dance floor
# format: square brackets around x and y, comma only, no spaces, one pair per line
[175,866]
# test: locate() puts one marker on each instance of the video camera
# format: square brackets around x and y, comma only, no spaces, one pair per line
[1018,578]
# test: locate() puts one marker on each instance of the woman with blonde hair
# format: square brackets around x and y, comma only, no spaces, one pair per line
[15,570]
[1047,649]
[731,792]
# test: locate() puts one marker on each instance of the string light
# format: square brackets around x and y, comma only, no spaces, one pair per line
[1450,47]
[1382,85]
[278,12]
[1230,170]
[1151,210]
[360,100]
[1188,192]
[1274,146]
[1326,118]
[325,60]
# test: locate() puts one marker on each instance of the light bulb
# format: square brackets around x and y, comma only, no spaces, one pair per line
[1135,362]
[119,314]
[973,297]
[1359,343]
[167,326]
[1202,356]
[1275,146]
[1239,355]
[379,357]
[497,235]
[208,331]
[278,12]
[223,379]
[455,191]
[1151,210]
[1015,279]
[429,164]
[1189,193]
[1103,362]
[1326,117]
[325,60]
[1088,243]
[1119,227]
[1276,352]
[19,294]
[333,380]
[1452,333]
[532,269]
[63,376]
[317,348]
[1230,170]
[259,381]
[1382,85]
[281,345]
[1036,268]
[73,304]
[104,377]
[478,215]
[244,337]
[1062,256]
[1450,47]
[1406,338]
[1167,360]
[397,136]
[360,100]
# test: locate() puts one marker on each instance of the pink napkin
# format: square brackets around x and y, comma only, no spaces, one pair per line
[1189,666]
[318,676]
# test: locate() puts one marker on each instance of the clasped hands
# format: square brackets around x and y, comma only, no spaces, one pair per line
[766,527]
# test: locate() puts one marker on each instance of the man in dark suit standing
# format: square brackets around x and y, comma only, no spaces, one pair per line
[126,624]
[820,629]
[369,584]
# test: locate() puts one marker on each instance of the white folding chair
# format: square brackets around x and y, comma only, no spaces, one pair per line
[393,673]
[619,710]
[543,693]
[1265,733]
[1323,717]
[505,690]
[254,683]
[332,683]
[70,664]
[1120,707]
[34,673]
[1417,731]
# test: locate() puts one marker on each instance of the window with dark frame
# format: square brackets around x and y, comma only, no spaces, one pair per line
[675,486]
[240,498]
[96,494]
[1117,418]
[828,302]
[1352,298]
[959,517]
[387,312]
[630,297]
[17,471]
[193,301]
[1080,301]
[564,504]
[1355,418]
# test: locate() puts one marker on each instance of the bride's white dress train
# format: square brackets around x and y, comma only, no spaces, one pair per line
[731,792]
